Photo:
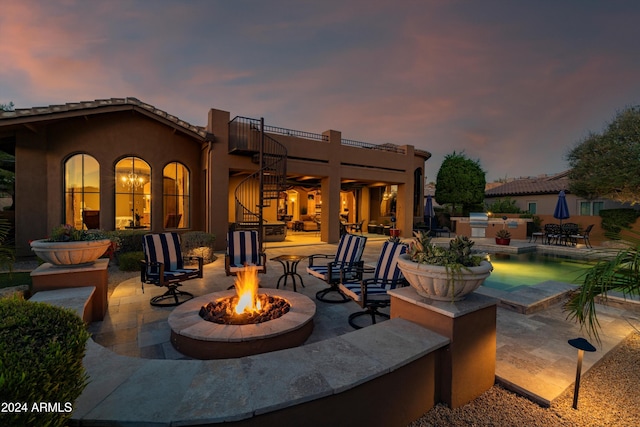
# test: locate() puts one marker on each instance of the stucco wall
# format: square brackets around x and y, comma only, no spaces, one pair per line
[107,137]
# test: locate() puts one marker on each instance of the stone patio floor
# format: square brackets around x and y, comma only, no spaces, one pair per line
[533,356]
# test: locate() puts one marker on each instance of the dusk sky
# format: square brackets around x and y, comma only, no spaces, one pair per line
[514,84]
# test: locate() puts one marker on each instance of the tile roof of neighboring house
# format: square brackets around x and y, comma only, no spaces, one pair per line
[537,185]
[39,113]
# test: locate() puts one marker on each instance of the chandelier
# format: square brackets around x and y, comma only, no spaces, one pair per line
[132,181]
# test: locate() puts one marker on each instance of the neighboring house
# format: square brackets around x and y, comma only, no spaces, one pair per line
[539,195]
[122,164]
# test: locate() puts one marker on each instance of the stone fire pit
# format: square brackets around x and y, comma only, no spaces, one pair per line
[195,337]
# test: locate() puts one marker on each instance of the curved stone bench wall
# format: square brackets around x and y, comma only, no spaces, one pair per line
[380,375]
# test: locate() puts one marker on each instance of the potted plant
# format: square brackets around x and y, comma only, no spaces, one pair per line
[441,273]
[68,246]
[503,237]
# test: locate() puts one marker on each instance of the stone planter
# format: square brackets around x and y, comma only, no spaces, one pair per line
[501,241]
[435,282]
[70,254]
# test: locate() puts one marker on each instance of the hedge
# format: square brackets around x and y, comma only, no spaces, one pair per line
[41,372]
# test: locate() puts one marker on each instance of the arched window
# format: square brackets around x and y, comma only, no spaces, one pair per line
[82,191]
[133,193]
[175,195]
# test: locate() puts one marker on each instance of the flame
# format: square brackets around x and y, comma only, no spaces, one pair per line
[247,290]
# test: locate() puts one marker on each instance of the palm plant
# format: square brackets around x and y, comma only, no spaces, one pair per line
[620,273]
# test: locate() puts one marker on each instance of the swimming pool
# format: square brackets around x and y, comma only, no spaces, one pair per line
[513,271]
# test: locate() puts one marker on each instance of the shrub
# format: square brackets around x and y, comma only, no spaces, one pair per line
[198,243]
[130,261]
[506,205]
[615,220]
[41,351]
[128,240]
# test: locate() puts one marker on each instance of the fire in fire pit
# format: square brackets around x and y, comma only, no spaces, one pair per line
[247,306]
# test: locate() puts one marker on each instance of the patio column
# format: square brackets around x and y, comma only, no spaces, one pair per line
[330,229]
[217,186]
[404,205]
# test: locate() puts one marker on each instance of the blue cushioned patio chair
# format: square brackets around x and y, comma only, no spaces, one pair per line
[243,248]
[371,293]
[348,257]
[163,265]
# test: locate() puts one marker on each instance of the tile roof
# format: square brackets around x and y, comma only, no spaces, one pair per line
[36,112]
[533,185]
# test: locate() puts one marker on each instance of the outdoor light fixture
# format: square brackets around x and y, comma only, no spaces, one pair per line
[582,345]
[132,180]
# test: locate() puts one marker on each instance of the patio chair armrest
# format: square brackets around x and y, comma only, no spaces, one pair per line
[144,270]
[359,270]
[321,256]
[380,282]
[356,268]
[263,256]
[200,262]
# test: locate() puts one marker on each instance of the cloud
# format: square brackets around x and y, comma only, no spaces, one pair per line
[512,84]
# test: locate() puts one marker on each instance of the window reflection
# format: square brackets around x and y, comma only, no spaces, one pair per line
[389,197]
[133,193]
[176,195]
[82,191]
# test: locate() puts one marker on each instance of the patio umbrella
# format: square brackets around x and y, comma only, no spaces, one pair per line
[428,210]
[562,209]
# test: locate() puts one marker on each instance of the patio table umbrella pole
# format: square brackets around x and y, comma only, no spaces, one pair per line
[428,210]
[562,209]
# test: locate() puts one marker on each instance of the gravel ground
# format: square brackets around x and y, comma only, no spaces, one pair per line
[608,397]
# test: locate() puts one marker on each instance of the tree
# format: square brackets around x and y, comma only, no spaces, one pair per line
[606,165]
[7,107]
[460,181]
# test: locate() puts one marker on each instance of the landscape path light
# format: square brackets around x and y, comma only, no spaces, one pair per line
[582,345]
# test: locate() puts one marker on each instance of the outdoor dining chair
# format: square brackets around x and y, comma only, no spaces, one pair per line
[552,233]
[584,236]
[163,265]
[357,227]
[243,248]
[348,257]
[371,293]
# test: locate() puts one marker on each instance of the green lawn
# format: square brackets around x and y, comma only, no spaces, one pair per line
[14,279]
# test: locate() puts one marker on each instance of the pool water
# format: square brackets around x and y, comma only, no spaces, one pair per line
[513,271]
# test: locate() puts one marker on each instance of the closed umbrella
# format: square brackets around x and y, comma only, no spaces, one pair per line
[562,209]
[428,210]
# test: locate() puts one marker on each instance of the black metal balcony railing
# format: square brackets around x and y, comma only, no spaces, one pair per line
[243,142]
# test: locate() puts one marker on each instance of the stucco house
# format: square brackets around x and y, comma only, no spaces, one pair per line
[538,195]
[120,163]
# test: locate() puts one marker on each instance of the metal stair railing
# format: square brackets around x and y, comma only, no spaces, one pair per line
[257,190]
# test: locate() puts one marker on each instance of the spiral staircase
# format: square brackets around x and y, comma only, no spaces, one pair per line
[263,187]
